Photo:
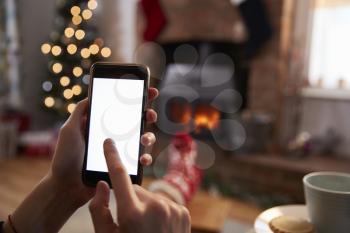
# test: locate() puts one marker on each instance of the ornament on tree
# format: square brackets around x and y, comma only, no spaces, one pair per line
[73,47]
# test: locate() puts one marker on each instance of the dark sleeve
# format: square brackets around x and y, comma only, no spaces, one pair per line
[1,227]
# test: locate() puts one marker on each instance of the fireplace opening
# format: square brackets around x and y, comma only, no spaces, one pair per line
[205,118]
[201,117]
[179,110]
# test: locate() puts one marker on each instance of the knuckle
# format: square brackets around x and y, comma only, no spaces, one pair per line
[161,208]
[185,215]
[93,206]
[118,169]
[137,188]
[130,217]
[176,211]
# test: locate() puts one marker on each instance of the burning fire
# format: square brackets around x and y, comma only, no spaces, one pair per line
[206,117]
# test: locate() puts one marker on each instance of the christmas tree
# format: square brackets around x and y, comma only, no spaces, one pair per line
[73,47]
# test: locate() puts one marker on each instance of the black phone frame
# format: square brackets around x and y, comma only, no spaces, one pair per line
[115,71]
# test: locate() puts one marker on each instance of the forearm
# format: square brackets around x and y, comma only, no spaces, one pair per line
[45,209]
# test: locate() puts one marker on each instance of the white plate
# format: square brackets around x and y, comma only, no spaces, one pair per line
[261,224]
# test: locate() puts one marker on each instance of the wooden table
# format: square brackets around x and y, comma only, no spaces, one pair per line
[18,177]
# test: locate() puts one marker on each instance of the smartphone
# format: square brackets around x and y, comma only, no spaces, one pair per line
[117,107]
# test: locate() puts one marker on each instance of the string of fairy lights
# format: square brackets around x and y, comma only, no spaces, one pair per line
[71,37]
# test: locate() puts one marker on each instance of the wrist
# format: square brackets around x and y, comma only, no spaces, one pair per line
[45,209]
[69,192]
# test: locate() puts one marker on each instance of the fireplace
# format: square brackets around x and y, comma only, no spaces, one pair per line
[200,101]
[203,116]
[206,117]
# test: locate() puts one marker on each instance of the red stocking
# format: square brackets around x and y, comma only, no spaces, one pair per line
[155,18]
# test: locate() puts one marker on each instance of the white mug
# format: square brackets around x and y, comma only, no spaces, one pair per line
[327,196]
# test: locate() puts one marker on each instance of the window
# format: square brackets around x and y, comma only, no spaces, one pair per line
[329,64]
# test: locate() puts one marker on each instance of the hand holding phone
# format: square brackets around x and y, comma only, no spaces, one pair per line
[138,209]
[117,108]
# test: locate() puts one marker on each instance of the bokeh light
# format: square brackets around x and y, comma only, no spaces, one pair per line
[57,67]
[71,107]
[79,34]
[85,53]
[47,86]
[69,32]
[76,89]
[45,48]
[87,14]
[106,52]
[56,50]
[94,49]
[49,102]
[92,4]
[77,71]
[72,49]
[86,79]
[64,81]
[68,94]
[76,19]
[75,10]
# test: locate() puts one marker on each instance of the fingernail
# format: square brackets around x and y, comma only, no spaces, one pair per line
[110,140]
[149,140]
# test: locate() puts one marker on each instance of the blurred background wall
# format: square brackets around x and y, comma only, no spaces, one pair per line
[34,30]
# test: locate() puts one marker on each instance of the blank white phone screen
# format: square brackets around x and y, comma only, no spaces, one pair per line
[116,108]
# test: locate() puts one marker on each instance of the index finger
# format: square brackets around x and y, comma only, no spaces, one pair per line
[122,186]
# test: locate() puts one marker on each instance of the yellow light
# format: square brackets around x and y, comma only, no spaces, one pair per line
[92,4]
[45,48]
[75,10]
[71,107]
[76,89]
[72,48]
[76,19]
[57,67]
[94,49]
[85,53]
[64,81]
[68,94]
[79,34]
[87,14]
[56,50]
[106,52]
[69,32]
[49,102]
[77,71]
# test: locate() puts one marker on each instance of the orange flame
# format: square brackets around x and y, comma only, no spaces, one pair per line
[206,117]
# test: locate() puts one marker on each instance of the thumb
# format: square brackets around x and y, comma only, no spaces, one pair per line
[80,110]
[99,210]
